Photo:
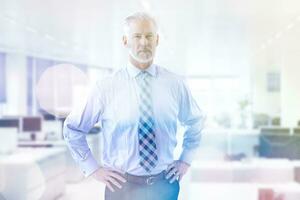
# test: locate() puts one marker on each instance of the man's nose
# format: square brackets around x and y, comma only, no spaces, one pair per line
[143,40]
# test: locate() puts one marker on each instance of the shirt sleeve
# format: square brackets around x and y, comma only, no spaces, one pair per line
[77,125]
[192,118]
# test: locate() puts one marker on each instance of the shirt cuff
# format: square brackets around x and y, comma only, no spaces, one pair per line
[188,155]
[89,165]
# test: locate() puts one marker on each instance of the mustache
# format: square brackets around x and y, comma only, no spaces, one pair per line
[145,49]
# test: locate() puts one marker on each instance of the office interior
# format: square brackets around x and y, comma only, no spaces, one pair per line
[240,60]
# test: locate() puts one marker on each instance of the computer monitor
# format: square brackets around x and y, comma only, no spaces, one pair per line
[10,123]
[32,125]
[296,131]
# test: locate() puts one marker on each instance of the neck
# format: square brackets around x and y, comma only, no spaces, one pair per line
[139,65]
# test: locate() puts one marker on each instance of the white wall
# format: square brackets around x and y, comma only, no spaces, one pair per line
[290,95]
[280,56]
[264,101]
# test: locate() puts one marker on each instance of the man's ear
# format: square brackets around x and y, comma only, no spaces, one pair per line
[125,42]
[157,39]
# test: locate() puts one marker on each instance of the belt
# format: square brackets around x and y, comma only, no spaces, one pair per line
[145,180]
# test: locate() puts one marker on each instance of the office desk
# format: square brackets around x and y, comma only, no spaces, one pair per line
[31,174]
[216,144]
[73,174]
[279,146]
[251,171]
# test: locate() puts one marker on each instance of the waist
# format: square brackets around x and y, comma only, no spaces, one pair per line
[131,166]
[145,180]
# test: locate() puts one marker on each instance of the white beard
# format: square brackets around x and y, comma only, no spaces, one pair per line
[139,59]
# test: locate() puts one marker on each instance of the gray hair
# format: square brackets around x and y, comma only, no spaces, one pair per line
[139,16]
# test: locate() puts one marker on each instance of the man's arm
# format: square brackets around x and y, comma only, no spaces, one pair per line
[192,118]
[77,125]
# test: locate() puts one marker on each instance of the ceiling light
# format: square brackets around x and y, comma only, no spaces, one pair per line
[30,29]
[49,37]
[63,43]
[270,41]
[10,19]
[278,35]
[290,26]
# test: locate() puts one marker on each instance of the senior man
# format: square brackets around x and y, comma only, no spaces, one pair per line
[138,107]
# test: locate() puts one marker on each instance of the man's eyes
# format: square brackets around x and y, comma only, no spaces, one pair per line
[147,36]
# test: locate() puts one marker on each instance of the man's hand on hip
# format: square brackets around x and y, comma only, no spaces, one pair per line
[176,170]
[109,178]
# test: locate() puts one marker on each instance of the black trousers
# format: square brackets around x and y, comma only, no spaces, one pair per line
[160,190]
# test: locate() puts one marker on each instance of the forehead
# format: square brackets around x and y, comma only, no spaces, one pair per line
[141,26]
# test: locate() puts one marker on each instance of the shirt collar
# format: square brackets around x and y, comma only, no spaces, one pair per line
[134,71]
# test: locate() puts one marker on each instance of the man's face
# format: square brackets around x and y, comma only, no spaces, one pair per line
[141,41]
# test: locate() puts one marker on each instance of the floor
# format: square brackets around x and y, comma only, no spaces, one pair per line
[93,190]
[87,189]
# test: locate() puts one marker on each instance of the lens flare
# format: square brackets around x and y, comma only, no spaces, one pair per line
[61,88]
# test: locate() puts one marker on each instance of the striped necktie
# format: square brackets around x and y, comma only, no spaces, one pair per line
[146,129]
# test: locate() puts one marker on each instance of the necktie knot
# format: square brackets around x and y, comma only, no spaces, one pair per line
[143,75]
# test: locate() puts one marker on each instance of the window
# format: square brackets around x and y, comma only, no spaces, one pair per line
[2,79]
[221,98]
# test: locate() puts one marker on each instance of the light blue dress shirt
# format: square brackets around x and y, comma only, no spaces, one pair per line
[113,103]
